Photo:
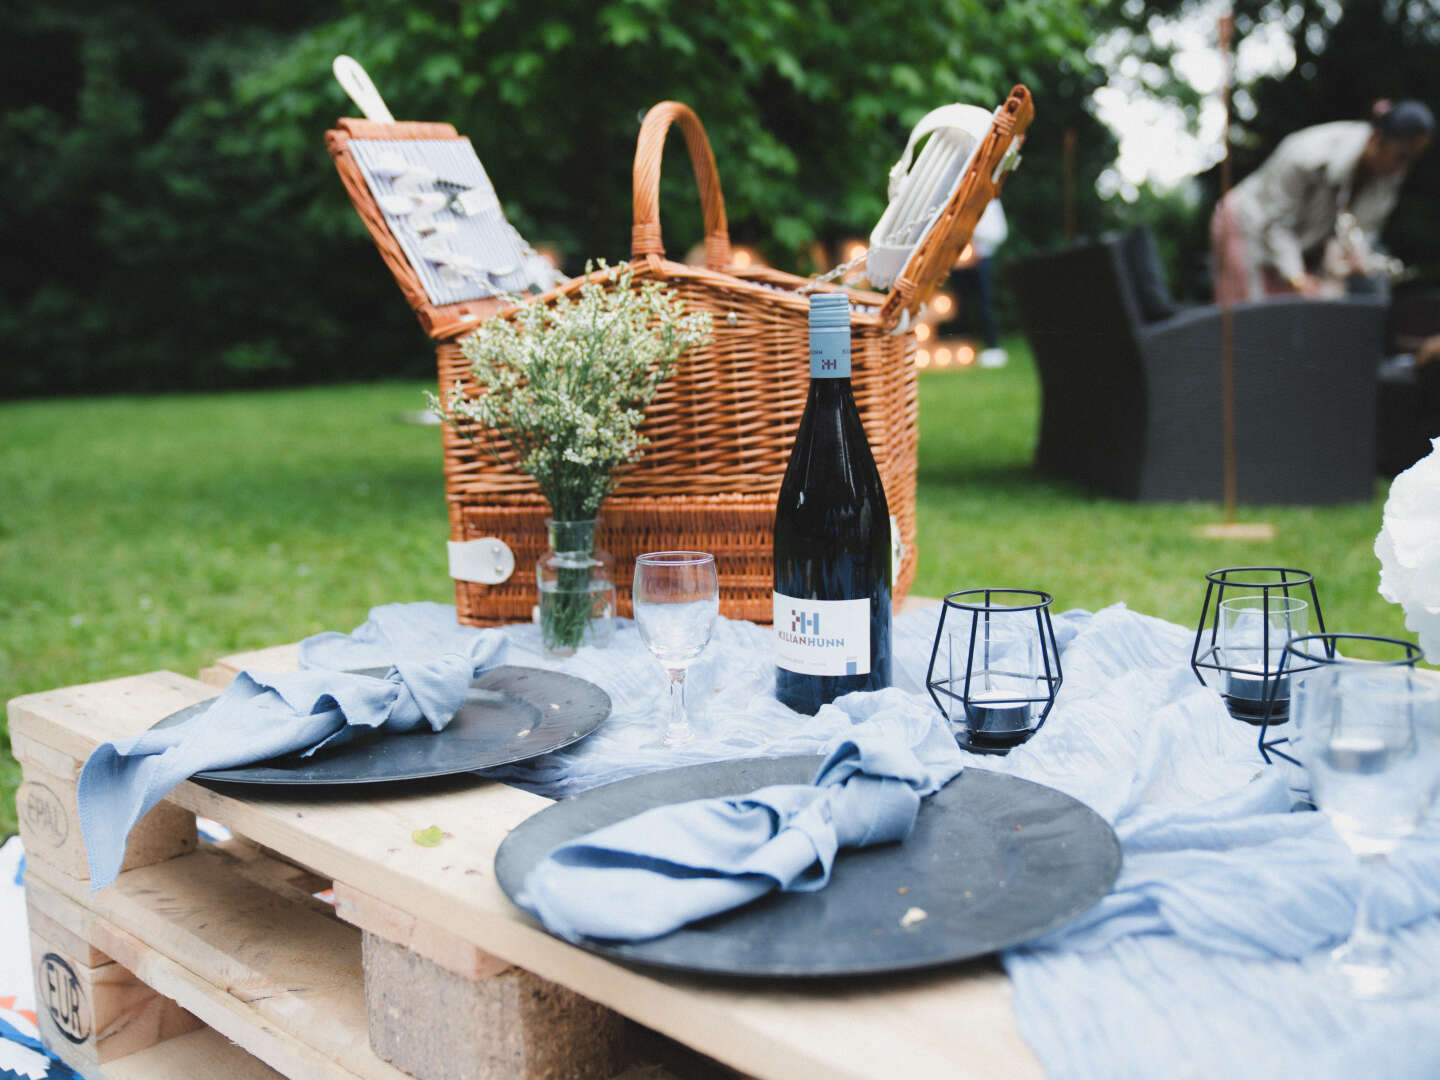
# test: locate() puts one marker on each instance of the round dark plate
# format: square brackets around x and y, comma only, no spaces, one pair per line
[511,713]
[993,862]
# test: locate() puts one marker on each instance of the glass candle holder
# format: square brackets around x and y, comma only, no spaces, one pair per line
[1249,615]
[994,668]
[1254,631]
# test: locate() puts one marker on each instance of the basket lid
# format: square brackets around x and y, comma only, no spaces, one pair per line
[992,153]
[443,319]
[988,156]
[432,212]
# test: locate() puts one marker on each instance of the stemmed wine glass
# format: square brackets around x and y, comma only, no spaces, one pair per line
[1372,742]
[677,596]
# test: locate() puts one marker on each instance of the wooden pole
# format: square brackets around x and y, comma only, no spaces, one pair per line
[1230,529]
[1067,182]
[1227,312]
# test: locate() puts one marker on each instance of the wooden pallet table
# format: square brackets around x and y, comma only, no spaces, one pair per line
[217,959]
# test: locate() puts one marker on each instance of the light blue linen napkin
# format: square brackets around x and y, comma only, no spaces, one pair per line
[659,870]
[430,660]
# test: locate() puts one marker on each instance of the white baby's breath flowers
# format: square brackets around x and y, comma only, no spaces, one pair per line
[566,384]
[1409,549]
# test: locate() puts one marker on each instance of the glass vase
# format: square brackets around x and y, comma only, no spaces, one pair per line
[577,589]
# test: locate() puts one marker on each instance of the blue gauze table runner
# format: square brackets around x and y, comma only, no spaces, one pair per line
[1198,964]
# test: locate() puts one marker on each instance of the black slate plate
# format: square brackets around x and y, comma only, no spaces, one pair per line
[993,862]
[511,713]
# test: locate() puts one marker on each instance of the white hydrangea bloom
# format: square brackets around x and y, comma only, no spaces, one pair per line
[1409,549]
[562,387]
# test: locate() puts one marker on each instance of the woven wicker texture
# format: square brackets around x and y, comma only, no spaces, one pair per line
[721,428]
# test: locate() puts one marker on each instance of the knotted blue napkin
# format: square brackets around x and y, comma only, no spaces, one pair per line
[430,660]
[669,866]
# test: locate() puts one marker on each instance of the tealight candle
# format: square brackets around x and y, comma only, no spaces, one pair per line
[1247,690]
[994,712]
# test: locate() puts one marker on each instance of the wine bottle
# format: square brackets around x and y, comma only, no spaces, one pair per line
[832,536]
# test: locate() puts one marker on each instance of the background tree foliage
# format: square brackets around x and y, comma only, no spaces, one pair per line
[1345,59]
[173,219]
[1347,56]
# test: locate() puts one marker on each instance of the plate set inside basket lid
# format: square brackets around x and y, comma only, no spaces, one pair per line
[441,208]
[720,427]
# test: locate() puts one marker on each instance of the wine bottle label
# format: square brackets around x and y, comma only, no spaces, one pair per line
[830,353]
[822,637]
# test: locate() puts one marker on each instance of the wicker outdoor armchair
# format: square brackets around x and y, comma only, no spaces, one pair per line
[1132,408]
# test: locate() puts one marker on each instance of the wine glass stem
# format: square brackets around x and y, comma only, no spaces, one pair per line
[679,720]
[1362,936]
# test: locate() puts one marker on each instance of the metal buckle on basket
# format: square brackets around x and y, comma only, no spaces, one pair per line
[1009,163]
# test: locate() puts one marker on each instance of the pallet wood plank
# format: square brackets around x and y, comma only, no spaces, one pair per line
[52,929]
[195,1055]
[298,884]
[795,1032]
[62,765]
[73,720]
[91,1015]
[274,659]
[283,982]
[434,943]
[50,821]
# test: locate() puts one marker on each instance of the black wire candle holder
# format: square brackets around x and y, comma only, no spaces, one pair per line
[1007,697]
[1252,686]
[1314,651]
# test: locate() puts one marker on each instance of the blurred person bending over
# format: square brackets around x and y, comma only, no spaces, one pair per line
[1311,214]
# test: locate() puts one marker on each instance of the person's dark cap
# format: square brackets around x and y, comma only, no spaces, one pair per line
[1405,121]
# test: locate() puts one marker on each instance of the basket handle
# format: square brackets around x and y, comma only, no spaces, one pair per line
[645,237]
[356,82]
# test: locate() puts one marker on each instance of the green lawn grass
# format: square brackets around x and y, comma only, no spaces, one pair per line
[986,518]
[162,532]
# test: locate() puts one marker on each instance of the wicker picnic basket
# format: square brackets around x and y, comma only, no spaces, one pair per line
[721,427]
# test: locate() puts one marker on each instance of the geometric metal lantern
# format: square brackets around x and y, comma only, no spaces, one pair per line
[999,670]
[1252,613]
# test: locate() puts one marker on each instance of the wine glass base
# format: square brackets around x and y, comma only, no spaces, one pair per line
[678,735]
[1376,974]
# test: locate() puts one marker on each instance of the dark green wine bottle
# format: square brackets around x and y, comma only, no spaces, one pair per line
[832,536]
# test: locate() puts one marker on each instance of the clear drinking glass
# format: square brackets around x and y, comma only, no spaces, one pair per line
[1373,750]
[677,596]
